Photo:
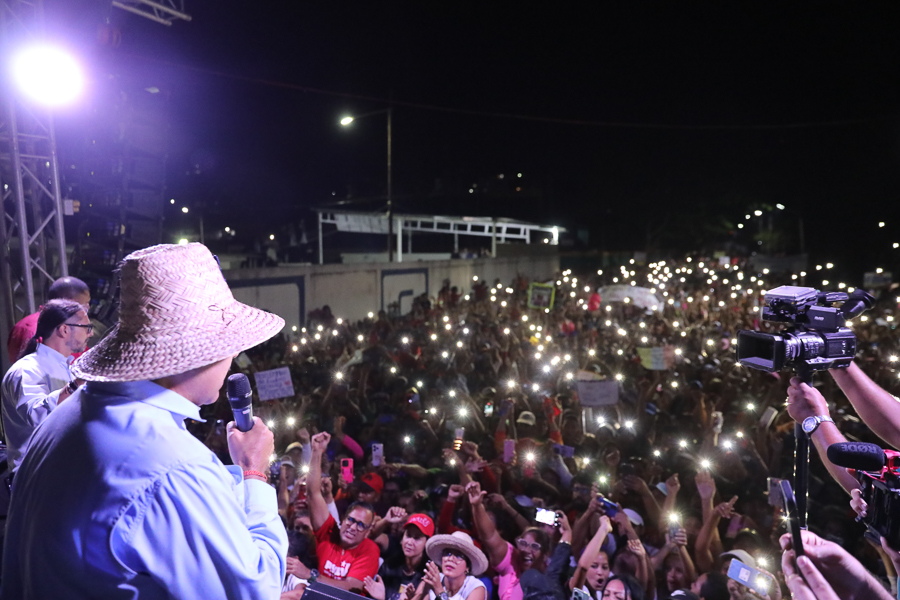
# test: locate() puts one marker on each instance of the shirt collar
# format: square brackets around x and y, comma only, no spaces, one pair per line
[149,393]
[47,353]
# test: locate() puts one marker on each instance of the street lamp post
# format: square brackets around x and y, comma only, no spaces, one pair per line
[390,197]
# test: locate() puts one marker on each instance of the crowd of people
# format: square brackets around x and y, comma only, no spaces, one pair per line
[448,452]
[463,419]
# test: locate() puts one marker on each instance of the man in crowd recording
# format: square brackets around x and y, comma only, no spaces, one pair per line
[346,554]
[66,288]
[41,378]
[115,497]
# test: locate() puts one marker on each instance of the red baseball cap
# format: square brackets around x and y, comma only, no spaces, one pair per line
[373,481]
[422,522]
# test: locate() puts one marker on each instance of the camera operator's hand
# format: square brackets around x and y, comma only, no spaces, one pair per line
[844,577]
[805,401]
[857,503]
[251,450]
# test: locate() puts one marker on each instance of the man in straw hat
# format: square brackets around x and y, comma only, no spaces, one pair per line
[114,498]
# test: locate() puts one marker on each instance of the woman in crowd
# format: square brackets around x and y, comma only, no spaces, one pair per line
[622,587]
[460,564]
[524,569]
[405,572]
[592,571]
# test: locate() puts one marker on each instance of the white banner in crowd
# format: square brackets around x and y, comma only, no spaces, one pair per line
[274,384]
[639,296]
[598,393]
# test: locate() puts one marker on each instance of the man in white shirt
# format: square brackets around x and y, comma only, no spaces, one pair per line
[40,380]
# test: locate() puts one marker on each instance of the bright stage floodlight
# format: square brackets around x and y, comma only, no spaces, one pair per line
[48,75]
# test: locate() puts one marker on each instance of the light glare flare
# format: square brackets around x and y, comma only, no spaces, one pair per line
[48,75]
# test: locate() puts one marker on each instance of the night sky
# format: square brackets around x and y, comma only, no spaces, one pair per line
[644,124]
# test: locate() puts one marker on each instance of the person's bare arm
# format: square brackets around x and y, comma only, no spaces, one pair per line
[805,401]
[672,487]
[876,407]
[590,553]
[318,509]
[582,527]
[351,584]
[395,514]
[490,538]
[500,502]
[708,544]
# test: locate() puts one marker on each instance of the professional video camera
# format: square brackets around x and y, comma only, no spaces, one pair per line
[816,341]
[878,473]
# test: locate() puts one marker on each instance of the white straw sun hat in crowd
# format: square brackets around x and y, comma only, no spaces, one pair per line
[461,542]
[176,313]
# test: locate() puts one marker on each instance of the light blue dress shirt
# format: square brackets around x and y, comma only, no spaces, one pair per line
[30,392]
[115,499]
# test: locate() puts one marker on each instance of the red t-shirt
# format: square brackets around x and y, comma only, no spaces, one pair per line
[23,331]
[337,563]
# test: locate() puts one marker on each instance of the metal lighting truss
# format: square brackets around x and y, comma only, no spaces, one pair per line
[32,238]
[164,12]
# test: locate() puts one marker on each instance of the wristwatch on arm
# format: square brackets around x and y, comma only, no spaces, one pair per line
[810,424]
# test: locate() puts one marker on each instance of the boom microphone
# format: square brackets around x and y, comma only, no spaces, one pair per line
[857,455]
[240,396]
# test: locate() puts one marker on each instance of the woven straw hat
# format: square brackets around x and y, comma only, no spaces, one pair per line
[176,313]
[462,542]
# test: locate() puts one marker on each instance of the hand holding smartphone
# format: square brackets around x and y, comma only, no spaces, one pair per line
[610,509]
[792,516]
[377,454]
[754,579]
[460,433]
[547,517]
[347,470]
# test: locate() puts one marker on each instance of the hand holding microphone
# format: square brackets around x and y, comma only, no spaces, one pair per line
[250,443]
[240,396]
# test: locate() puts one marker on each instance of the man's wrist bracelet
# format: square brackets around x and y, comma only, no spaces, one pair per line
[251,474]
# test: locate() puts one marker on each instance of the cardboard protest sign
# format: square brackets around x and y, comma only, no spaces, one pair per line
[274,384]
[660,358]
[598,393]
[541,295]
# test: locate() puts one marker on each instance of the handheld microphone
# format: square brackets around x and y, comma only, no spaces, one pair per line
[857,455]
[240,396]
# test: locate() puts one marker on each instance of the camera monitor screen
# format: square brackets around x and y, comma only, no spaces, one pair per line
[760,350]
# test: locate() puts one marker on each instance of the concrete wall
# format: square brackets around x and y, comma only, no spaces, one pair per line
[352,291]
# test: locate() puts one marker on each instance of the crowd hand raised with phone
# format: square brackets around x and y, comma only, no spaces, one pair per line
[826,572]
